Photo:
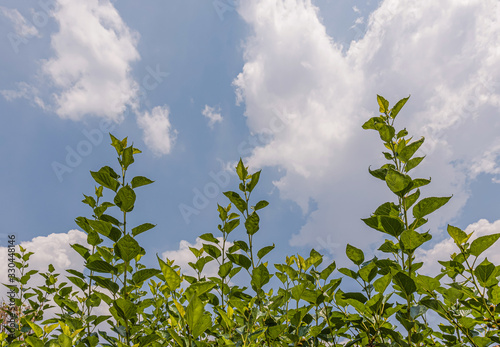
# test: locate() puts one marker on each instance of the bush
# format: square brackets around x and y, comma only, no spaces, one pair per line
[163,307]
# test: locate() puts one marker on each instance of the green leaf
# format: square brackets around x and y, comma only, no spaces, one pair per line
[240,260]
[410,150]
[252,223]
[196,317]
[348,272]
[411,240]
[236,200]
[327,271]
[224,269]
[265,250]
[231,225]
[397,181]
[35,342]
[104,178]
[117,144]
[381,283]
[172,278]
[260,204]
[401,133]
[125,199]
[209,237]
[428,205]
[212,250]
[482,243]
[419,182]
[142,228]
[144,274]
[241,170]
[138,181]
[484,271]
[426,284]
[260,276]
[399,105]
[391,225]
[355,254]
[383,103]
[386,132]
[457,234]
[372,123]
[106,283]
[378,173]
[101,266]
[127,157]
[83,251]
[127,248]
[126,309]
[405,283]
[102,227]
[413,163]
[253,181]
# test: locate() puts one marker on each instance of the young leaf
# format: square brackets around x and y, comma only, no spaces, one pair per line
[397,181]
[128,157]
[103,178]
[236,200]
[125,199]
[410,150]
[252,223]
[253,181]
[241,170]
[172,278]
[263,251]
[260,276]
[261,204]
[196,317]
[406,284]
[457,234]
[428,205]
[482,243]
[127,248]
[138,181]
[383,103]
[142,228]
[355,255]
[399,105]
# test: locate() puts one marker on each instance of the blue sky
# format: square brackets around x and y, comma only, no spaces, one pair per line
[285,84]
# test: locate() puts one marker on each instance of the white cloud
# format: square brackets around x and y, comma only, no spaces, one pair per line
[24,91]
[443,250]
[52,249]
[158,133]
[444,54]
[22,27]
[93,52]
[213,115]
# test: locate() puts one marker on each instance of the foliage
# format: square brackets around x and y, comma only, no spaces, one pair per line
[164,307]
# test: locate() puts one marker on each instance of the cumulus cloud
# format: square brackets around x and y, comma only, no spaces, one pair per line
[21,26]
[159,135]
[296,76]
[91,65]
[213,115]
[52,249]
[442,250]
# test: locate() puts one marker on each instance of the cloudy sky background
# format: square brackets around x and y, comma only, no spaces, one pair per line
[285,84]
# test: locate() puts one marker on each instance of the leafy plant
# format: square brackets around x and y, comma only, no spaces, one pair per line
[165,307]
